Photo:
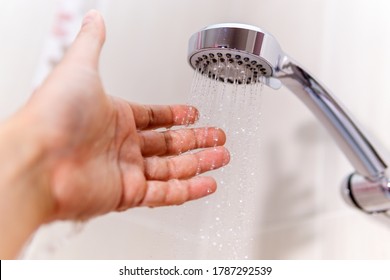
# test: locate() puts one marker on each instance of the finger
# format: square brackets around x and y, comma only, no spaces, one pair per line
[155,116]
[186,165]
[172,142]
[176,192]
[87,46]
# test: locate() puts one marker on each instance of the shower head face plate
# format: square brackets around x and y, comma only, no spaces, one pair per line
[230,66]
[234,53]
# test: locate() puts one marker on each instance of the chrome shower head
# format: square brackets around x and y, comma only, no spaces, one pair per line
[244,54]
[234,53]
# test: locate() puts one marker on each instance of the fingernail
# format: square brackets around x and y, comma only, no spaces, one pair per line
[197,114]
[226,158]
[89,17]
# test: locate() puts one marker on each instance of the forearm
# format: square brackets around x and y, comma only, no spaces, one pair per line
[24,197]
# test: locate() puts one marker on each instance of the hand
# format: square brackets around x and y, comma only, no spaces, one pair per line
[103,153]
[73,152]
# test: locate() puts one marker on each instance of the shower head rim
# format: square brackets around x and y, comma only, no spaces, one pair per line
[236,40]
[234,25]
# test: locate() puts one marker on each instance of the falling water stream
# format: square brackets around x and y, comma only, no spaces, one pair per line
[226,218]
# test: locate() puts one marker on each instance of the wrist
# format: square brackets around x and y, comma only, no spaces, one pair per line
[25,201]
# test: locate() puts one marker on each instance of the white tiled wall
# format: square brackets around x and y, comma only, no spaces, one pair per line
[298,211]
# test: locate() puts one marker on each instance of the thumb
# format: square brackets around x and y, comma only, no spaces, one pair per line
[87,46]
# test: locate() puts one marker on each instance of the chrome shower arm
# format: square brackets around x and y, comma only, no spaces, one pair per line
[349,137]
[367,189]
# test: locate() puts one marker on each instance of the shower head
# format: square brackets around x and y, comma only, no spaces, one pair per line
[243,54]
[235,53]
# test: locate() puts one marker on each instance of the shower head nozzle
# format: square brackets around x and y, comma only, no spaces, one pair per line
[234,53]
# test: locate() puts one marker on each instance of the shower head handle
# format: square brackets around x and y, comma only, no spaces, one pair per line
[349,136]
[368,188]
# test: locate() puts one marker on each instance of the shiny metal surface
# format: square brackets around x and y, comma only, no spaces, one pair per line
[348,135]
[234,52]
[370,196]
[267,63]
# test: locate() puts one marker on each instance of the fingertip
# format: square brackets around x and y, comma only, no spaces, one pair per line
[90,17]
[221,136]
[195,113]
[183,114]
[226,156]
[223,155]
[206,186]
[88,44]
[93,22]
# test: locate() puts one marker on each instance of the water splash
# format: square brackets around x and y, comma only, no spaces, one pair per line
[227,217]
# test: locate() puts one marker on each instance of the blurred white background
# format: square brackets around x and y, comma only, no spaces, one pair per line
[298,212]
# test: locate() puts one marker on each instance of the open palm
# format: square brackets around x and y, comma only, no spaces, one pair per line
[105,153]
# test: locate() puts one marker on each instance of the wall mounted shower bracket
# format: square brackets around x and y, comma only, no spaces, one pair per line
[239,53]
